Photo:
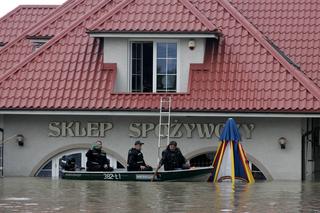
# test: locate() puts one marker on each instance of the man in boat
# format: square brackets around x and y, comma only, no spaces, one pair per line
[135,159]
[97,159]
[172,158]
[67,163]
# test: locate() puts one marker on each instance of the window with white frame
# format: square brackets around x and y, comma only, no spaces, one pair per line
[154,66]
[166,67]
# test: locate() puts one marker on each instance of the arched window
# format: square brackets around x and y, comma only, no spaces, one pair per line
[53,167]
[207,159]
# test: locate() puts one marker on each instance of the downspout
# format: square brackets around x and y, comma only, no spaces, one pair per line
[2,152]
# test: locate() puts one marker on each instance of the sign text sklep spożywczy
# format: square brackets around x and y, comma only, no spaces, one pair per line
[143,130]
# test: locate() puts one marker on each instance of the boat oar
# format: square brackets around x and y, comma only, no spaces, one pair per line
[155,174]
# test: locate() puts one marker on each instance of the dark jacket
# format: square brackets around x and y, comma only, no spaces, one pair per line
[172,159]
[97,159]
[135,160]
[67,163]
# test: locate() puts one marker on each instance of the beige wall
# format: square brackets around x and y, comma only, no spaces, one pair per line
[281,164]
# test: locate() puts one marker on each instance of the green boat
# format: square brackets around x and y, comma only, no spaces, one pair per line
[193,174]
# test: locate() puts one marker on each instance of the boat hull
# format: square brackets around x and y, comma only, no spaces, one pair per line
[195,175]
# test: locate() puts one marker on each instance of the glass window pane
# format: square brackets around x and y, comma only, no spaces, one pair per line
[134,50]
[136,83]
[46,171]
[172,66]
[166,83]
[172,50]
[161,50]
[48,165]
[171,82]
[161,81]
[139,71]
[134,66]
[161,66]
[139,52]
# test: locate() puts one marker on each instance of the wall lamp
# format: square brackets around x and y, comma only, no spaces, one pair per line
[282,142]
[192,44]
[20,139]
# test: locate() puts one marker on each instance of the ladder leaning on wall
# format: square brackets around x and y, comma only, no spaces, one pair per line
[164,124]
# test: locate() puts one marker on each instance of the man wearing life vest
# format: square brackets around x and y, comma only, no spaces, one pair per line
[135,159]
[97,159]
[172,158]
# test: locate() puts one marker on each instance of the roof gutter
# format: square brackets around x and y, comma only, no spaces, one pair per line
[174,114]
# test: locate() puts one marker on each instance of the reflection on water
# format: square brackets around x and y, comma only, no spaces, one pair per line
[46,195]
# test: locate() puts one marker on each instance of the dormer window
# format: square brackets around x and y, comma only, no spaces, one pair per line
[38,41]
[2,44]
[37,44]
[158,63]
[154,66]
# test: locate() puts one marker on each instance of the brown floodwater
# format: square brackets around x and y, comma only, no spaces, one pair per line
[46,195]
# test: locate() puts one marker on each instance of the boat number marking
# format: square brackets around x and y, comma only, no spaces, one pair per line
[112,177]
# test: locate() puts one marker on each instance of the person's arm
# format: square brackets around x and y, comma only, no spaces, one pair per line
[132,160]
[162,161]
[184,162]
[144,163]
[89,153]
[183,159]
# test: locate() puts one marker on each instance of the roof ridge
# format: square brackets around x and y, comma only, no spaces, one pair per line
[37,26]
[113,11]
[39,5]
[52,41]
[300,76]
[198,14]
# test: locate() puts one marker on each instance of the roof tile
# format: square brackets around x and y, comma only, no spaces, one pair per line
[20,47]
[21,18]
[292,25]
[135,16]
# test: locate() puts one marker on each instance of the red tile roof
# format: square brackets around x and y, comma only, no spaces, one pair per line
[154,16]
[17,50]
[76,9]
[293,25]
[21,18]
[246,73]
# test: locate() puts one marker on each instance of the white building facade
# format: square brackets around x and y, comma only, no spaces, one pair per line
[49,137]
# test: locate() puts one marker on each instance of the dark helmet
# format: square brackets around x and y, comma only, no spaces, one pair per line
[138,143]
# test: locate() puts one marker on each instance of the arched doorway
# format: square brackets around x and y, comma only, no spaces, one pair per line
[206,159]
[52,167]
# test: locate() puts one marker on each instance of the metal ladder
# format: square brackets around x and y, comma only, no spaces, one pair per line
[164,124]
[1,151]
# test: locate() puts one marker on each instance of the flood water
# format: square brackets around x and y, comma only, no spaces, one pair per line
[46,195]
